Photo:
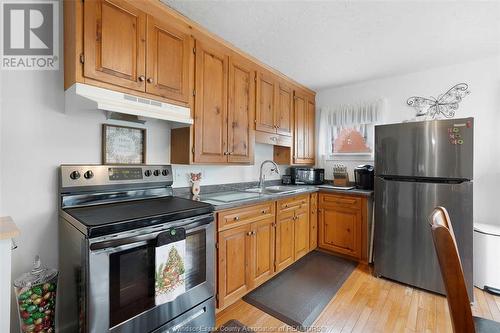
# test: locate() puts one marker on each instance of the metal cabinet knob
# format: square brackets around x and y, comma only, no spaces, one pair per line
[249,233]
[264,211]
[150,80]
[142,78]
[236,218]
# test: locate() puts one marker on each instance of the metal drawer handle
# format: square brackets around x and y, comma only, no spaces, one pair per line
[236,218]
[264,211]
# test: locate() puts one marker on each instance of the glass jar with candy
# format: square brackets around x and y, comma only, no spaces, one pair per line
[36,298]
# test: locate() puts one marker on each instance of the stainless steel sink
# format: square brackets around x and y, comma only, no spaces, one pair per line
[276,189]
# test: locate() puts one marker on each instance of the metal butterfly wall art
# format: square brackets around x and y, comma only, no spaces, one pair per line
[444,105]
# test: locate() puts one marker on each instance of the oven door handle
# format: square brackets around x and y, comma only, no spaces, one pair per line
[122,244]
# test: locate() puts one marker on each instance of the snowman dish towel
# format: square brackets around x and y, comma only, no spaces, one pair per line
[170,265]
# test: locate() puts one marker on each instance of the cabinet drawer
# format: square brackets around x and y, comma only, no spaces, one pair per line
[339,200]
[273,139]
[294,203]
[239,216]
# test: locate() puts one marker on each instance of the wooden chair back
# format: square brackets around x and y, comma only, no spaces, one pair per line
[451,271]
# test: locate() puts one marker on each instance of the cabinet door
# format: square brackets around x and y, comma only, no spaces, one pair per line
[300,105]
[301,231]
[210,112]
[169,52]
[241,112]
[340,230]
[304,129]
[310,126]
[267,91]
[233,260]
[313,222]
[114,43]
[285,246]
[262,251]
[284,116]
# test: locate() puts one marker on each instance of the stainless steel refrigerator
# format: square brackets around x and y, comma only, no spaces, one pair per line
[418,166]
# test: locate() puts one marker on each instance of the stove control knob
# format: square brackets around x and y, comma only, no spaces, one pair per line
[147,173]
[165,172]
[156,173]
[74,175]
[88,174]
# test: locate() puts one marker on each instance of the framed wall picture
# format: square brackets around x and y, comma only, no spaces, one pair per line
[123,145]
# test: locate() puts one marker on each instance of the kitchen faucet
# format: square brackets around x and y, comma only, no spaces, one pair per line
[261,175]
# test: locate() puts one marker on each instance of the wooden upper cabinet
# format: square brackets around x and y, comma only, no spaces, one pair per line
[267,91]
[114,43]
[304,112]
[210,112]
[169,52]
[241,111]
[284,110]
[311,127]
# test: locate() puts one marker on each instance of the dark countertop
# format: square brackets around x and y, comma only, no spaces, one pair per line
[230,190]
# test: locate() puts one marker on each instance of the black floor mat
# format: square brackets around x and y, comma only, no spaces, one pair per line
[233,326]
[298,294]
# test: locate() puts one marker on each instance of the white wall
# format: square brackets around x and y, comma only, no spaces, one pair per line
[483,77]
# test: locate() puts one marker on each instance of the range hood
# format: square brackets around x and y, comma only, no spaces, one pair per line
[109,100]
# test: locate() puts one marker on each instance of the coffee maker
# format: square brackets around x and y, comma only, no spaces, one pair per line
[363,176]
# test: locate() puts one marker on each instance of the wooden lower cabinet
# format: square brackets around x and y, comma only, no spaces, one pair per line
[340,224]
[285,246]
[313,222]
[233,259]
[256,242]
[292,230]
[262,240]
[301,234]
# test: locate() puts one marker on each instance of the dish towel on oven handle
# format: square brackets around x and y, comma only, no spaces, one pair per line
[170,265]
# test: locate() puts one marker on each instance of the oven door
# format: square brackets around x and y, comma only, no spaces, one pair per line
[121,277]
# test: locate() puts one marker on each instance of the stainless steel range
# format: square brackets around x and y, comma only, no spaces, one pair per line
[111,220]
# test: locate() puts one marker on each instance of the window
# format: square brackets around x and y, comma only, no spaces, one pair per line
[347,131]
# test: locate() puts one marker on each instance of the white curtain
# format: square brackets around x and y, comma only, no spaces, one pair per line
[334,119]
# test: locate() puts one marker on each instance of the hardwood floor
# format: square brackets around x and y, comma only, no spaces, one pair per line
[369,304]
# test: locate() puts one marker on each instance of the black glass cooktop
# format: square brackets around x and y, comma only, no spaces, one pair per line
[110,218]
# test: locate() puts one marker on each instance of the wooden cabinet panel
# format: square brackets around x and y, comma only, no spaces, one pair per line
[114,43]
[340,226]
[310,130]
[300,135]
[285,245]
[233,259]
[267,90]
[304,113]
[348,201]
[169,53]
[262,251]
[284,116]
[210,128]
[293,203]
[241,113]
[238,216]
[313,222]
[301,226]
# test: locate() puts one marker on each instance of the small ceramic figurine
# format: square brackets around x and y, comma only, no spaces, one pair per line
[195,183]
